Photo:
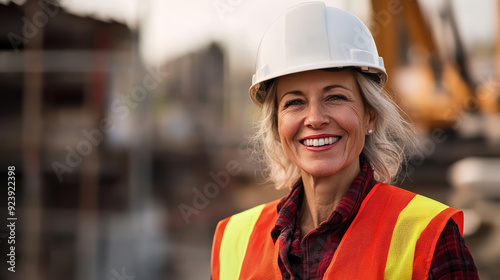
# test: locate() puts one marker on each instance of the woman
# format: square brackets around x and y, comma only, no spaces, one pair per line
[334,137]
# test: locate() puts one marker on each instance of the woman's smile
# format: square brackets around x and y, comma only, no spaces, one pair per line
[320,142]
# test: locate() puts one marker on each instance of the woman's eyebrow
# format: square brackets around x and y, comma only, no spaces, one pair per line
[330,87]
[294,92]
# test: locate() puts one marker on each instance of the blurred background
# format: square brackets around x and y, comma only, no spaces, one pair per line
[127,123]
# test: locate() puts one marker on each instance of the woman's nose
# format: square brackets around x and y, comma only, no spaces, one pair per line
[316,116]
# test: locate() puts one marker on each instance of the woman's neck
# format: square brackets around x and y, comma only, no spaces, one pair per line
[323,194]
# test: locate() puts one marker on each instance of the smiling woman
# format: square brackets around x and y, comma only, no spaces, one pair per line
[331,134]
[392,137]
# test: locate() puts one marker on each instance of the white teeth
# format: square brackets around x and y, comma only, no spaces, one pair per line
[320,141]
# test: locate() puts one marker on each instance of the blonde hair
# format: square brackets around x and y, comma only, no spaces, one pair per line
[386,149]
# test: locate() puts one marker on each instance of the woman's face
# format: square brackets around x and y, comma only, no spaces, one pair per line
[322,121]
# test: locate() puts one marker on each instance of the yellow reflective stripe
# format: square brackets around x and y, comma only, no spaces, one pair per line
[411,222]
[235,240]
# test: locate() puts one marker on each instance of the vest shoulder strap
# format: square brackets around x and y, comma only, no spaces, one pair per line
[242,243]
[392,237]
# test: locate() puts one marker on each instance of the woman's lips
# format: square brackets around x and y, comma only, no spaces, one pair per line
[320,142]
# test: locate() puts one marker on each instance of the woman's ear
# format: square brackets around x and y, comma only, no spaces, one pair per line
[371,117]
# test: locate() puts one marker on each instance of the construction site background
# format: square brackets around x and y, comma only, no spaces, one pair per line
[126,126]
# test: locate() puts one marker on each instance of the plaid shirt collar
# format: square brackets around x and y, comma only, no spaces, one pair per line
[289,206]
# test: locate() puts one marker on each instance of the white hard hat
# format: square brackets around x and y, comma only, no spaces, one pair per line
[313,36]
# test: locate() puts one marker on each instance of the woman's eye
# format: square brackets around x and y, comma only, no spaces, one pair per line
[335,97]
[293,102]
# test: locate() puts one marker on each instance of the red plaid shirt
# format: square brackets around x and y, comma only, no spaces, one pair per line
[310,257]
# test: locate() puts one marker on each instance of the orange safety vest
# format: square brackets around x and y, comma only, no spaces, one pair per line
[392,237]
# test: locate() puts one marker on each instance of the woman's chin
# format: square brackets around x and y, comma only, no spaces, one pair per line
[321,171]
[322,168]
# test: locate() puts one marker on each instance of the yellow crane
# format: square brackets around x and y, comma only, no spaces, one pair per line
[434,89]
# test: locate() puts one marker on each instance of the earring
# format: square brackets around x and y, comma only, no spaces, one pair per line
[370,131]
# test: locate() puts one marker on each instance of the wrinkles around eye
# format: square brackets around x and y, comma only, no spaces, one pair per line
[293,102]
